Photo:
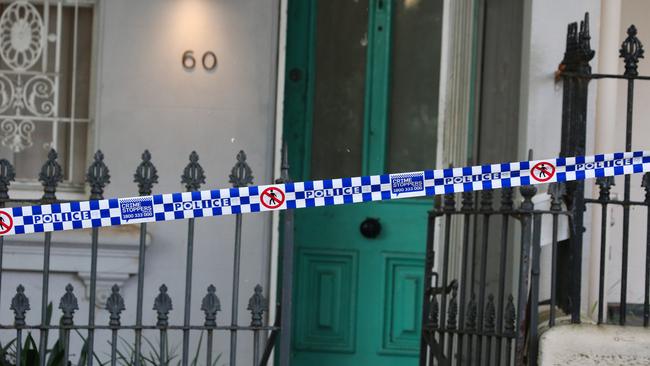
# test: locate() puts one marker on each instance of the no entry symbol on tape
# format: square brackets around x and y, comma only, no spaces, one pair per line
[6,222]
[542,171]
[272,197]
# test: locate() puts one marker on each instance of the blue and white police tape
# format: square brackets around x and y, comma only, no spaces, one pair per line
[228,201]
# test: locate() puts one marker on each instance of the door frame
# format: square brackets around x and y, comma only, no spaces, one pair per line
[454,90]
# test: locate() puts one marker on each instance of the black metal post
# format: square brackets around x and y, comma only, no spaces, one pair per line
[576,76]
[115,306]
[50,176]
[146,176]
[506,209]
[98,177]
[240,176]
[631,50]
[525,209]
[193,176]
[467,204]
[286,303]
[486,208]
[534,290]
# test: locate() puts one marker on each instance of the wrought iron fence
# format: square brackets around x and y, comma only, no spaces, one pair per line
[467,321]
[473,320]
[20,352]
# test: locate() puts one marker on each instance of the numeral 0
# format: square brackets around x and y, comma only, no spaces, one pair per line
[209,60]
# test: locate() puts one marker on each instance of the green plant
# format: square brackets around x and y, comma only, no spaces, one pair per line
[127,356]
[31,355]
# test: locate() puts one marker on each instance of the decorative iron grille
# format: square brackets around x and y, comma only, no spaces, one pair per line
[45,50]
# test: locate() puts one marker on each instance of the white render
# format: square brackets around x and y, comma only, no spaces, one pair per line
[144,99]
[589,344]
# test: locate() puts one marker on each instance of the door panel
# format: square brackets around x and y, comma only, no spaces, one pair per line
[402,301]
[327,284]
[357,300]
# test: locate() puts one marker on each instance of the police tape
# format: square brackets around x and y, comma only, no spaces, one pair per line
[327,192]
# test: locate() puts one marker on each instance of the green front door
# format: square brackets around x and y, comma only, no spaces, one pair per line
[361,98]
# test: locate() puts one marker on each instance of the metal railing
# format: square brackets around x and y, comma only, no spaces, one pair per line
[576,74]
[145,176]
[467,321]
[464,323]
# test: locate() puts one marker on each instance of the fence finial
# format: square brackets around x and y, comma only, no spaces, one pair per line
[605,185]
[163,305]
[528,191]
[434,309]
[50,176]
[20,306]
[241,174]
[578,50]
[7,175]
[68,305]
[193,175]
[510,317]
[210,306]
[631,51]
[557,190]
[98,176]
[507,202]
[470,324]
[490,313]
[467,203]
[453,307]
[486,200]
[257,305]
[115,305]
[146,175]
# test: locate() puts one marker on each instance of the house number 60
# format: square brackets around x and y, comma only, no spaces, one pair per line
[209,60]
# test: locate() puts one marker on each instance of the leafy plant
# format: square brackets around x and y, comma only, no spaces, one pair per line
[30,354]
[127,356]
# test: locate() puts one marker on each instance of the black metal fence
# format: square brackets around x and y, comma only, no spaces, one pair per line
[23,349]
[490,313]
[473,319]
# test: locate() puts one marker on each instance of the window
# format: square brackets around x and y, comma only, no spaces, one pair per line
[45,63]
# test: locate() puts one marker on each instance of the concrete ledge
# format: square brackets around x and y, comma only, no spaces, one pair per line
[589,344]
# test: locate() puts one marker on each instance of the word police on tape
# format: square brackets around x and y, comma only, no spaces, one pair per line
[228,201]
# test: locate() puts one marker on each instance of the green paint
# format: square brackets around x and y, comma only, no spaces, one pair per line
[298,98]
[357,301]
[377,87]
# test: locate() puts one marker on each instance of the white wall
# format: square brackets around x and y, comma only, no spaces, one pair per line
[146,100]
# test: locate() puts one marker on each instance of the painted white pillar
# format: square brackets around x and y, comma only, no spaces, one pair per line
[605,129]
[454,105]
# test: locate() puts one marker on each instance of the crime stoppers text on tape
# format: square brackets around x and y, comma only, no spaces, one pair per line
[228,201]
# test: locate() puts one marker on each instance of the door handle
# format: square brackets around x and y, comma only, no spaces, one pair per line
[370,228]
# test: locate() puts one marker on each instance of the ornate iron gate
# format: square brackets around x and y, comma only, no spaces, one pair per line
[480,315]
